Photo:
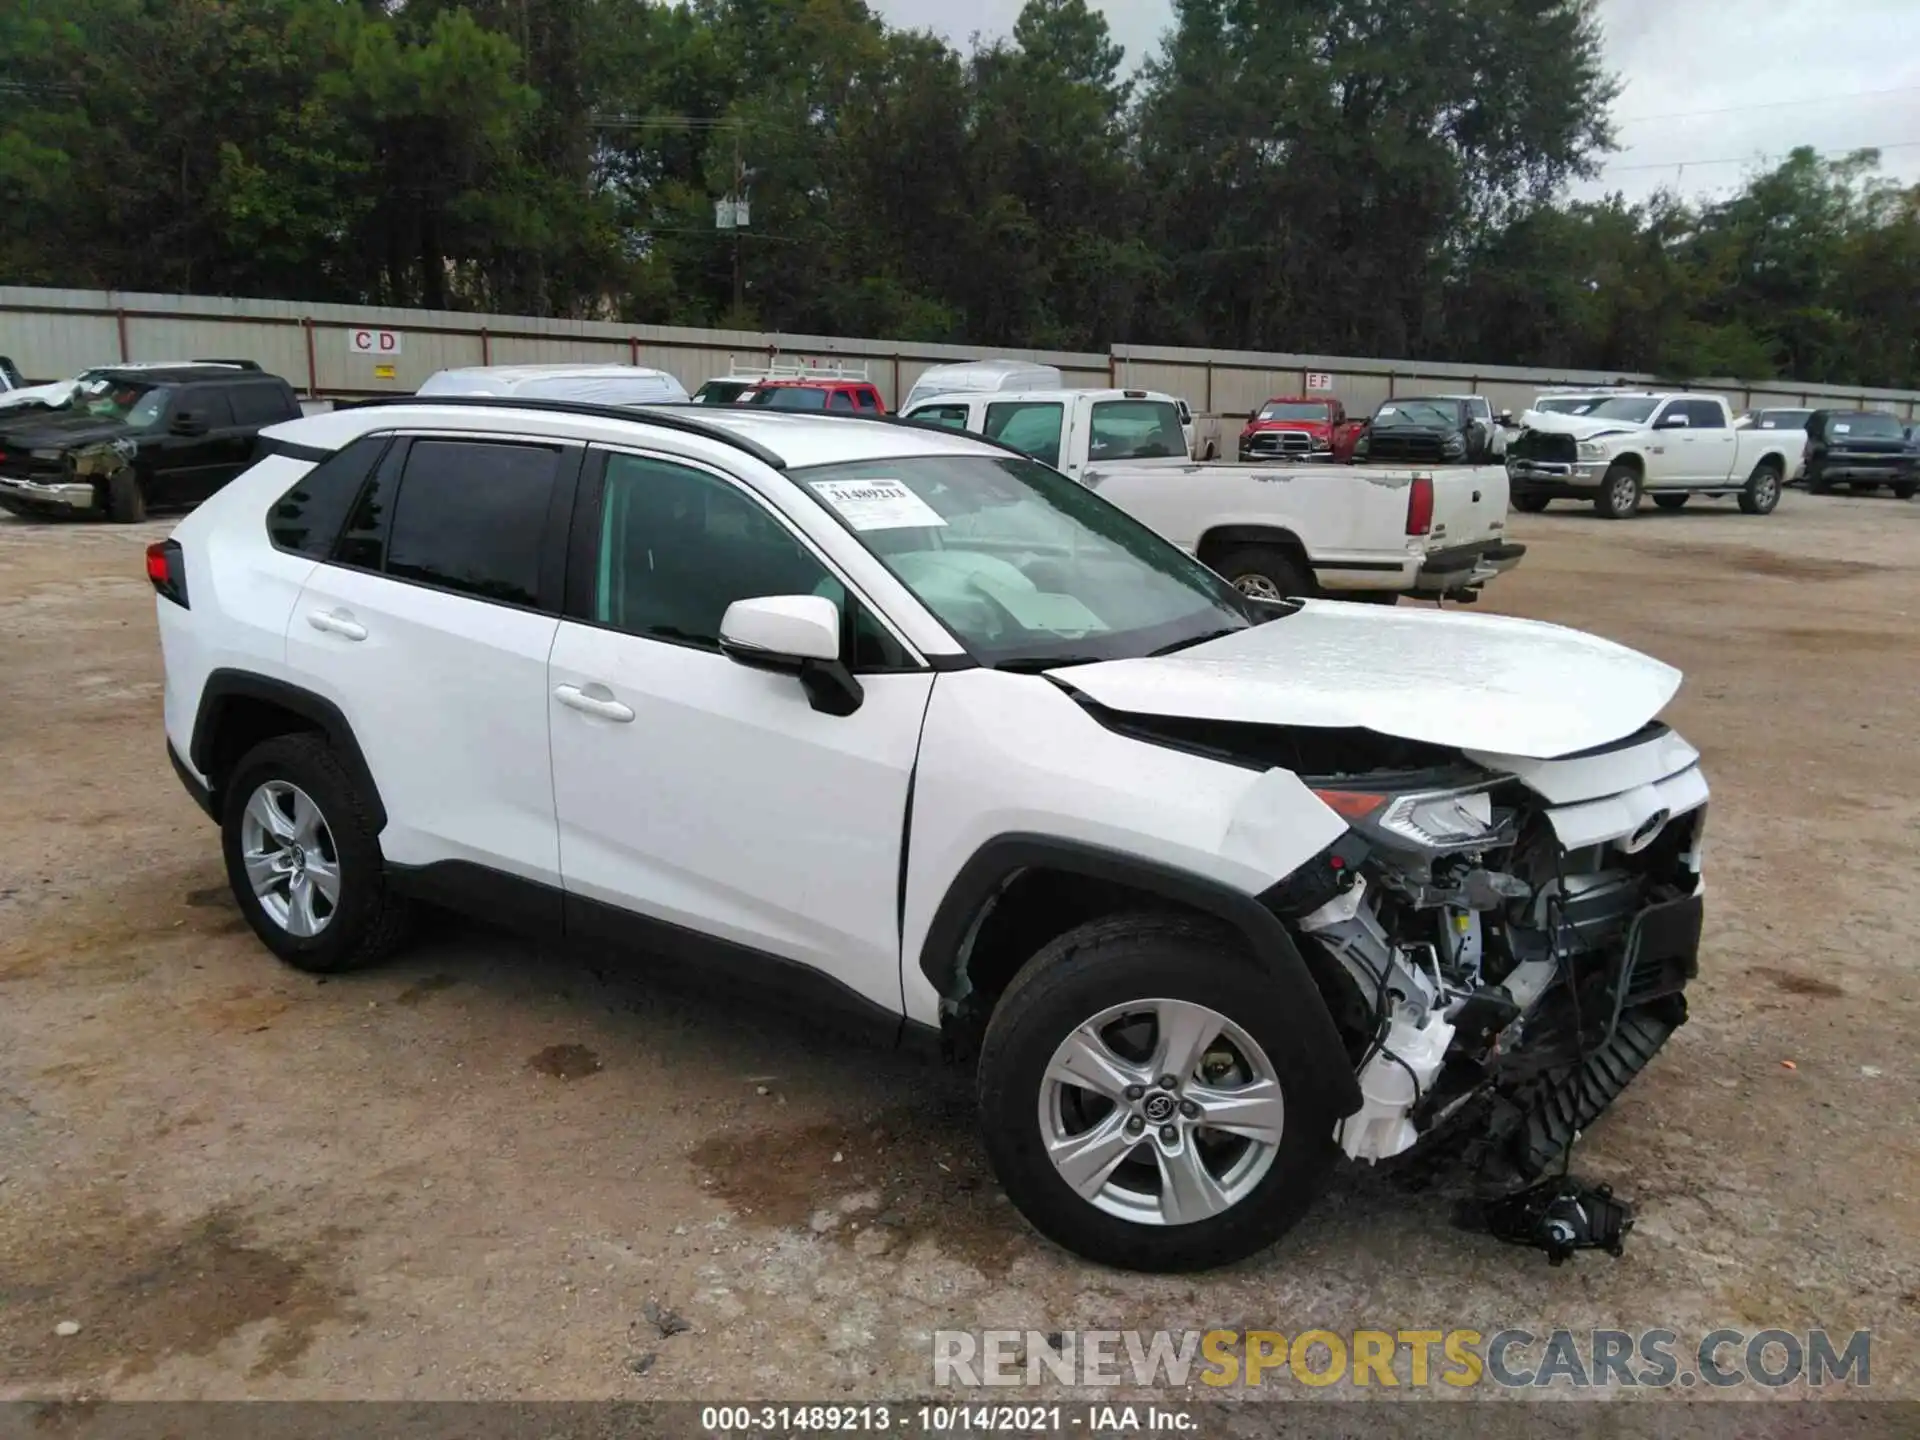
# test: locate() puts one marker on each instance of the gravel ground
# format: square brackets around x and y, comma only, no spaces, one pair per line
[471,1173]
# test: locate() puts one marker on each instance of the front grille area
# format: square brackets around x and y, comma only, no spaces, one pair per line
[1280,442]
[1539,445]
[1429,445]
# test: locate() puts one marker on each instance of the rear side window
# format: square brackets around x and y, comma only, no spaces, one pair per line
[867,399]
[209,405]
[261,404]
[842,400]
[953,417]
[1030,426]
[470,517]
[307,519]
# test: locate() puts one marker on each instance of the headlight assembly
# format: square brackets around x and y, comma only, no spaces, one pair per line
[1592,450]
[1433,820]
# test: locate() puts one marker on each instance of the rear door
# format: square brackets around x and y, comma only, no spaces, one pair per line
[430,624]
[1711,442]
[188,468]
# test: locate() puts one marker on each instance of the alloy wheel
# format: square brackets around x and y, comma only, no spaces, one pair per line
[1161,1112]
[290,857]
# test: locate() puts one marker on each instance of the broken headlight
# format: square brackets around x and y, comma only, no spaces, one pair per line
[1460,818]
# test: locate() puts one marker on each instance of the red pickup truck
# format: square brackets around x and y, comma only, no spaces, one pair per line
[1295,427]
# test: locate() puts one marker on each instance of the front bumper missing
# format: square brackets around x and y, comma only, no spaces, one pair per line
[46,495]
[1551,478]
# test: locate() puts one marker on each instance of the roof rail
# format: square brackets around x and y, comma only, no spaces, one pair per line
[649,415]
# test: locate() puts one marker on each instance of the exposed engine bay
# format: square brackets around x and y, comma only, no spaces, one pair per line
[1505,942]
[1493,950]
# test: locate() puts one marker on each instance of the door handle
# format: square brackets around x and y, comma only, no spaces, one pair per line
[606,707]
[335,623]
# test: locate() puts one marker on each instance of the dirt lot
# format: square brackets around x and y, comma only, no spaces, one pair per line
[468,1174]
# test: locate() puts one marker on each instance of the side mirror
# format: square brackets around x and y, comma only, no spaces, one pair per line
[1671,422]
[186,423]
[794,635]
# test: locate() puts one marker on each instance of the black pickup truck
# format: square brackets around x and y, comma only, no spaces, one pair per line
[1433,430]
[127,440]
[1861,449]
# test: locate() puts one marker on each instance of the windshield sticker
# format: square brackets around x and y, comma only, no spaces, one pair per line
[1386,410]
[877,504]
[1841,429]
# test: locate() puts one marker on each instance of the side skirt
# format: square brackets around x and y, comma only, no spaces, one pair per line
[673,953]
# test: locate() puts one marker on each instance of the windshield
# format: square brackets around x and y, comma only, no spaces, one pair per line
[1416,412]
[1135,430]
[1026,567]
[1638,410]
[1294,410]
[787,397]
[136,405]
[1783,419]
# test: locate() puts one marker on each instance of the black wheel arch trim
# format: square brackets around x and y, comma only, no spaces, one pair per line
[997,861]
[224,686]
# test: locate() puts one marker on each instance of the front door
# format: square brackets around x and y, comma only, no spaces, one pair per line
[700,801]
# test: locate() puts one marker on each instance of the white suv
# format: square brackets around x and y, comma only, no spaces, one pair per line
[1209,890]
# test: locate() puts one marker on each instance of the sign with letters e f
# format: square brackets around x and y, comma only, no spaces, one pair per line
[1319,380]
[378,343]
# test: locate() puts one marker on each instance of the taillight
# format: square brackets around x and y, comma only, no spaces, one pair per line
[1420,505]
[167,569]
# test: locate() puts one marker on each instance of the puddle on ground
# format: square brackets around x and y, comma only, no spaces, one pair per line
[1753,560]
[143,1291]
[910,1172]
[565,1062]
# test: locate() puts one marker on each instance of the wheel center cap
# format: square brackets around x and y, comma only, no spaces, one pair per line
[1159,1107]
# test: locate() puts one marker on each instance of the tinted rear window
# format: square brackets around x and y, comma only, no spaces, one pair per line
[261,404]
[470,518]
[307,519]
[787,397]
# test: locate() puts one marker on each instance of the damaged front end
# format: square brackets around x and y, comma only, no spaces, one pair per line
[1506,941]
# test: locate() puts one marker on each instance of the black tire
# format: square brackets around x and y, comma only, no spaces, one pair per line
[1619,494]
[1905,489]
[1531,504]
[369,921]
[126,503]
[1672,502]
[1110,962]
[1761,494]
[1264,571]
[1817,482]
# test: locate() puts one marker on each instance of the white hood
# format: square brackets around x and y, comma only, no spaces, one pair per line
[1488,683]
[58,393]
[1583,427]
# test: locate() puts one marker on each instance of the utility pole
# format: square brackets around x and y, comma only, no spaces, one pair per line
[739,185]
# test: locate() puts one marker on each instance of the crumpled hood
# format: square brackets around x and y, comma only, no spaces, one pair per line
[58,429]
[1481,682]
[1581,427]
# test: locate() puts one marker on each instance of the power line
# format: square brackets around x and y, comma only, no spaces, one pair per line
[1770,105]
[1738,159]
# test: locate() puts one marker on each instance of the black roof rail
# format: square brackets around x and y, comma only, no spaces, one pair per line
[649,415]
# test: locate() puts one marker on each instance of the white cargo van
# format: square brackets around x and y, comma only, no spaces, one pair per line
[976,376]
[600,384]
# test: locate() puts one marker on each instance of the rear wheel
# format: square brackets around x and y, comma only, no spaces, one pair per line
[303,858]
[1762,491]
[1619,493]
[1905,489]
[1671,502]
[1264,572]
[1142,1101]
[1817,482]
[1532,504]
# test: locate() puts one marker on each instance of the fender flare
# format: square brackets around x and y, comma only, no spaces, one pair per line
[998,860]
[225,686]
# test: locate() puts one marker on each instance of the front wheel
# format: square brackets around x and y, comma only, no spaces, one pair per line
[1905,489]
[1532,504]
[1762,490]
[1143,1101]
[1619,493]
[1263,572]
[126,504]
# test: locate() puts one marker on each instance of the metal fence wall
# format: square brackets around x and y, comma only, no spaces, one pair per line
[55,333]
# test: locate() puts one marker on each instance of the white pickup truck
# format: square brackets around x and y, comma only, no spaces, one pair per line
[1353,532]
[1671,446]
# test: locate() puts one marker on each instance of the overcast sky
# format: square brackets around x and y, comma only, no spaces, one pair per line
[1835,74]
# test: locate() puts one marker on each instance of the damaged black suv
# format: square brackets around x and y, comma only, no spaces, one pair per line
[129,440]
